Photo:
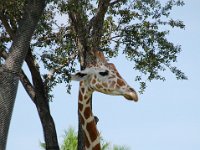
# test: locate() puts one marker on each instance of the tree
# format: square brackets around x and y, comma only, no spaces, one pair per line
[10,70]
[137,29]
[11,14]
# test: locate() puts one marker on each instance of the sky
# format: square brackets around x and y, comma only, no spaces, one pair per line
[166,117]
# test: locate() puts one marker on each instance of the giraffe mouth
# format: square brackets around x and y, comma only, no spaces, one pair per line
[131,96]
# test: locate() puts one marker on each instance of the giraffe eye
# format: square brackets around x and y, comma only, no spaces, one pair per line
[105,73]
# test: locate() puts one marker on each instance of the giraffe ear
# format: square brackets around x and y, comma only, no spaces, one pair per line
[79,76]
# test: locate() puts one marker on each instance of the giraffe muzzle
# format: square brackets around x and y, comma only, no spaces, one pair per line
[131,96]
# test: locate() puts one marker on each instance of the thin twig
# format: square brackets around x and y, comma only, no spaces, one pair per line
[6,25]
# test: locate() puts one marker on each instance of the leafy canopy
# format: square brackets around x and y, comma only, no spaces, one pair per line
[136,28]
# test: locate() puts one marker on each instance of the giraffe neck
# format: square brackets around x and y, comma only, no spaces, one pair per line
[92,137]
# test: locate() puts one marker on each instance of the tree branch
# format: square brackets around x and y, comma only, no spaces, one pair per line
[115,2]
[96,23]
[36,77]
[4,21]
[118,1]
[79,20]
[27,85]
[3,54]
[24,33]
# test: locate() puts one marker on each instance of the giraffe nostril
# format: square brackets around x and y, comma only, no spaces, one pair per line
[131,89]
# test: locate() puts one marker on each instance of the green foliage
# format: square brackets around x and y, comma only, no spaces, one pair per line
[42,145]
[13,10]
[137,29]
[70,142]
[120,147]
[108,146]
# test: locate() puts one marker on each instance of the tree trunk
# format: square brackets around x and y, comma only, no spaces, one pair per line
[9,72]
[8,90]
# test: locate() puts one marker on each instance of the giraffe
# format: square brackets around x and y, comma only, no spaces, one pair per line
[101,77]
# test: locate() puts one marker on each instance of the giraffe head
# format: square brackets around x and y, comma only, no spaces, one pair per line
[105,78]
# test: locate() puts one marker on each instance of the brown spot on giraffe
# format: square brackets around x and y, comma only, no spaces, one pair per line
[97,147]
[81,119]
[80,107]
[105,85]
[87,112]
[120,82]
[80,97]
[99,86]
[91,128]
[93,81]
[85,97]
[83,90]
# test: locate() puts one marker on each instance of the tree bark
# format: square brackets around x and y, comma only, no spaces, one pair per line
[9,72]
[8,89]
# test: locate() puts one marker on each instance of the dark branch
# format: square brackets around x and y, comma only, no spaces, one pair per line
[4,21]
[36,75]
[115,2]
[27,85]
[118,1]
[3,54]
[24,33]
[96,22]
[78,19]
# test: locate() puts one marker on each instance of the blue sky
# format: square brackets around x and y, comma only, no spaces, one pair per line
[167,116]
